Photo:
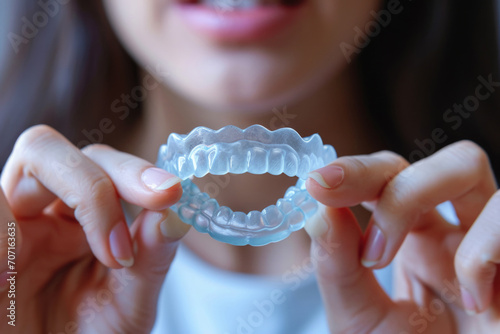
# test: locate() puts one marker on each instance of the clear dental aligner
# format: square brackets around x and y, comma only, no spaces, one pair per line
[253,150]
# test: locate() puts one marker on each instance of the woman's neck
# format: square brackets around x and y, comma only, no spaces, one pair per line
[334,111]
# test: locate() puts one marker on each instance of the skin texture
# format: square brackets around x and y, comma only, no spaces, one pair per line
[436,261]
[63,280]
[65,215]
[245,76]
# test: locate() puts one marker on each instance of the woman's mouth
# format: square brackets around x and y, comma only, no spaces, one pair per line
[239,20]
[241,4]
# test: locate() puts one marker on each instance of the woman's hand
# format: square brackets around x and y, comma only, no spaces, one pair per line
[446,277]
[71,230]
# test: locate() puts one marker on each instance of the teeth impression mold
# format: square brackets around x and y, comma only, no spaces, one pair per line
[253,150]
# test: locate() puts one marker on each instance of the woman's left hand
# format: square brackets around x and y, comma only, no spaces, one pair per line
[445,278]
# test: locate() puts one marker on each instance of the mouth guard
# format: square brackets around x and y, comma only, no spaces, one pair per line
[254,150]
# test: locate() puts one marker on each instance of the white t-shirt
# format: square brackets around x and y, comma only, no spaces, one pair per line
[198,298]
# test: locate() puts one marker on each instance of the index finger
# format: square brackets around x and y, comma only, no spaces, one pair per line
[349,181]
[41,155]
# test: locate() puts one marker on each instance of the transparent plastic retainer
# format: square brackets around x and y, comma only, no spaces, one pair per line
[254,150]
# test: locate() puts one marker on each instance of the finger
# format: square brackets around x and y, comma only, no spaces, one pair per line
[10,239]
[349,290]
[136,180]
[47,159]
[349,181]
[26,195]
[156,235]
[478,257]
[460,173]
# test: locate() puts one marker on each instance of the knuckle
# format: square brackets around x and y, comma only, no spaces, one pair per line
[465,264]
[99,192]
[123,167]
[355,166]
[472,153]
[399,198]
[394,158]
[468,266]
[101,189]
[34,136]
[134,165]
[30,146]
[93,148]
[397,163]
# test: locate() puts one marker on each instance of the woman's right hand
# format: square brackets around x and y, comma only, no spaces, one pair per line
[79,267]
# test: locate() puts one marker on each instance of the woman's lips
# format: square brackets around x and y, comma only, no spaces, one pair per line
[241,22]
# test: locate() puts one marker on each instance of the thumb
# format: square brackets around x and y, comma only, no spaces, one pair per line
[354,301]
[155,237]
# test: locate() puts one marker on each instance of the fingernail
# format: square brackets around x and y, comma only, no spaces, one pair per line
[329,177]
[374,247]
[470,305]
[316,226]
[173,227]
[121,246]
[159,179]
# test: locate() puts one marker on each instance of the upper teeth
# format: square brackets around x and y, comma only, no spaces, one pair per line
[235,4]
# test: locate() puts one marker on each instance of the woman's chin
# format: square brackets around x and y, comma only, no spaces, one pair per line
[257,104]
[247,100]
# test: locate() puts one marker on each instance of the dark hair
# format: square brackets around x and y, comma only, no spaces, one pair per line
[427,63]
[428,58]
[62,66]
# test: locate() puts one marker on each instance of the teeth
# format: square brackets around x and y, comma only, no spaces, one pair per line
[305,165]
[201,222]
[257,161]
[237,151]
[255,150]
[272,215]
[219,162]
[186,213]
[235,4]
[185,166]
[276,161]
[200,162]
[294,219]
[222,216]
[209,207]
[309,207]
[238,164]
[298,198]
[256,228]
[292,164]
[284,206]
[238,220]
